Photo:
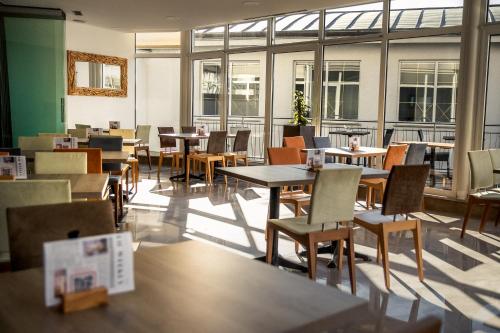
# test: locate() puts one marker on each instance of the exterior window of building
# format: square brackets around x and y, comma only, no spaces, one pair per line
[208,39]
[427,91]
[341,90]
[304,72]
[244,88]
[211,73]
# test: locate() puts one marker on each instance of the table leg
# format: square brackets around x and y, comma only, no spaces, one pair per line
[182,177]
[433,163]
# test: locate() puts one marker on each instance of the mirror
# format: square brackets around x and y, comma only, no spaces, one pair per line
[96,75]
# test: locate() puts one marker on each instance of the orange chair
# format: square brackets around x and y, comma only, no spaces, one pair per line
[296,142]
[395,156]
[4,153]
[94,157]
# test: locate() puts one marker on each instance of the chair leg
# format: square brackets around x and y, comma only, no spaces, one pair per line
[116,189]
[384,245]
[484,217]
[417,238]
[126,184]
[340,253]
[269,244]
[120,198]
[352,270]
[188,169]
[149,157]
[378,253]
[470,204]
[208,173]
[160,162]
[312,251]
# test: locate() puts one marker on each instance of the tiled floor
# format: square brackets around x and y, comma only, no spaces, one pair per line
[462,277]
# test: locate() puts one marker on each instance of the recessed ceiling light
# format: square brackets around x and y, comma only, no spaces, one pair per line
[250,3]
[77,13]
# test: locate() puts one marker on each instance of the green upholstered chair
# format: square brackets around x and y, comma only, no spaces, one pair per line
[56,163]
[21,193]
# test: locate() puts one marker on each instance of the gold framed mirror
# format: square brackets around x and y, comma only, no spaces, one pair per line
[96,75]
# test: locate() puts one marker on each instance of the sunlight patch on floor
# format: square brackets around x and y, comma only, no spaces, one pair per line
[204,205]
[221,230]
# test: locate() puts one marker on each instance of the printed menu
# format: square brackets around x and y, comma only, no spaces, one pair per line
[13,166]
[65,143]
[315,158]
[81,264]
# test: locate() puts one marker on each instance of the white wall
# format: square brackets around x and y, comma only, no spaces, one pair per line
[97,111]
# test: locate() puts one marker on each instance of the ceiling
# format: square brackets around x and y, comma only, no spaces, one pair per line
[174,15]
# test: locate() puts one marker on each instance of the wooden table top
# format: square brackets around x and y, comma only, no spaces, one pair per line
[443,145]
[126,142]
[361,152]
[83,186]
[186,287]
[115,156]
[192,136]
[281,175]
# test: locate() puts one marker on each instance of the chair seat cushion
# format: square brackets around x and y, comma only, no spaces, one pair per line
[298,225]
[376,217]
[493,194]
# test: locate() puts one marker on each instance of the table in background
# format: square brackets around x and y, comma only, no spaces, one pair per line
[346,155]
[186,287]
[276,176]
[349,133]
[83,186]
[126,142]
[115,156]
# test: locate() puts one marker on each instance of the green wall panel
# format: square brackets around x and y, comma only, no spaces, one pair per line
[36,65]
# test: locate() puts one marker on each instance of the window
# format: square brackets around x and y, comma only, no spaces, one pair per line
[354,20]
[208,39]
[210,87]
[427,91]
[494,11]
[248,34]
[341,89]
[304,71]
[158,42]
[244,89]
[293,28]
[419,14]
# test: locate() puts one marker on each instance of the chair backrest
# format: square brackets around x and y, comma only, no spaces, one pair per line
[126,133]
[107,143]
[55,135]
[395,156]
[216,142]
[21,193]
[420,134]
[142,132]
[80,133]
[283,155]
[36,143]
[294,142]
[429,324]
[167,142]
[241,140]
[481,169]
[12,151]
[82,126]
[405,189]
[94,157]
[190,130]
[334,195]
[388,137]
[56,163]
[415,153]
[4,153]
[322,142]
[29,227]
[495,162]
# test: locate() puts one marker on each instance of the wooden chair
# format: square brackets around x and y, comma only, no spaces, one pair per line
[215,149]
[29,227]
[481,183]
[7,177]
[56,163]
[403,195]
[240,148]
[4,153]
[80,133]
[168,148]
[142,132]
[332,201]
[324,142]
[415,154]
[395,156]
[296,142]
[94,157]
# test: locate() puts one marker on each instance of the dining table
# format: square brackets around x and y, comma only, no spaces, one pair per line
[186,287]
[115,156]
[91,186]
[350,133]
[373,155]
[276,176]
[126,142]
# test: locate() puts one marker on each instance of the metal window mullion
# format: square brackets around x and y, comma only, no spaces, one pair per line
[268,114]
[317,91]
[434,98]
[382,92]
[224,88]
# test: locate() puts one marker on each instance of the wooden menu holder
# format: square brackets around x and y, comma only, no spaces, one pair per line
[83,300]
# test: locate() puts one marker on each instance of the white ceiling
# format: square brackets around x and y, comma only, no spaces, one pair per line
[174,15]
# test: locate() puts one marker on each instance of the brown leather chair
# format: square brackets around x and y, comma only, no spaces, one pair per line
[94,157]
[296,142]
[30,226]
[168,148]
[216,147]
[240,148]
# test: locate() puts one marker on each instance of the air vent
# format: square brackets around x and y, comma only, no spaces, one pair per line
[79,21]
[77,13]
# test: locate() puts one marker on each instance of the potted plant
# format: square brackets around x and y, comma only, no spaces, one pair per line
[299,122]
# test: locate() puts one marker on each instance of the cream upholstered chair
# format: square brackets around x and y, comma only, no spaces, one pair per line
[495,162]
[80,133]
[332,202]
[126,134]
[36,143]
[56,163]
[20,193]
[142,133]
[55,135]
[481,183]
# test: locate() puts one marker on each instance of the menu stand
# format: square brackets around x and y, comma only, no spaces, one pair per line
[82,300]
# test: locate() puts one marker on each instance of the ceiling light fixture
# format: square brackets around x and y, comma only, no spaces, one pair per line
[250,3]
[77,13]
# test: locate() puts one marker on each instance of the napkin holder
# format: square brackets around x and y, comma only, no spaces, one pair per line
[83,300]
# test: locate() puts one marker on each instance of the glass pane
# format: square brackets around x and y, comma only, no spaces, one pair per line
[492,116]
[422,87]
[494,11]
[354,20]
[207,78]
[247,34]
[350,92]
[419,14]
[296,28]
[158,42]
[292,72]
[246,98]
[158,95]
[208,39]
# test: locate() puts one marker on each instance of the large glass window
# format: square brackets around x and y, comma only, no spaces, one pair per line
[492,116]
[248,34]
[304,71]
[354,20]
[208,39]
[494,11]
[341,89]
[293,28]
[207,78]
[418,14]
